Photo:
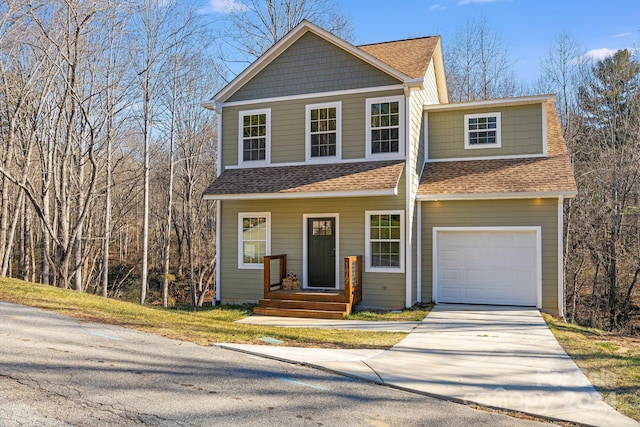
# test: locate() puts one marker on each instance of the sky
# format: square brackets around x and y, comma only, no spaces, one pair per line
[528,27]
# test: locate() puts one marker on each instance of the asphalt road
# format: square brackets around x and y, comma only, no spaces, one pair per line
[58,371]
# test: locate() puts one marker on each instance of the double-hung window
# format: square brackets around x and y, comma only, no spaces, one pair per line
[254,238]
[254,136]
[384,234]
[323,131]
[384,128]
[482,130]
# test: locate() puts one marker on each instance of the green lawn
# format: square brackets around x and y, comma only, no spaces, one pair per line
[610,361]
[203,326]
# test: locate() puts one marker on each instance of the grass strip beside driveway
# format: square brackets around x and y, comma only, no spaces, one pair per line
[610,361]
[201,326]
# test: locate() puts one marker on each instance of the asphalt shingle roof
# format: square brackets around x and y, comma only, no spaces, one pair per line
[287,180]
[410,57]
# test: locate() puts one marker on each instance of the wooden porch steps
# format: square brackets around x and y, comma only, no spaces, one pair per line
[298,308]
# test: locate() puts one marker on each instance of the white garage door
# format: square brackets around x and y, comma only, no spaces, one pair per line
[479,266]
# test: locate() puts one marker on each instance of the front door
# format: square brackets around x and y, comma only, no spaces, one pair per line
[321,258]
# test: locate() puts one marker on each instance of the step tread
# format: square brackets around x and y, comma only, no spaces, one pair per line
[297,312]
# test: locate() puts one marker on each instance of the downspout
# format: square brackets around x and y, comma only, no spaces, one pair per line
[218,203]
[408,253]
[561,257]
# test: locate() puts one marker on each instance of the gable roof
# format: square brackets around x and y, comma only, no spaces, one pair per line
[381,56]
[551,175]
[411,56]
[319,180]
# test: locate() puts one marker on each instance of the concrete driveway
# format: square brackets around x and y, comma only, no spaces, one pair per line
[504,357]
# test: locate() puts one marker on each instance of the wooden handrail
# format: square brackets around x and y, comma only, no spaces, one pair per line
[282,258]
[353,279]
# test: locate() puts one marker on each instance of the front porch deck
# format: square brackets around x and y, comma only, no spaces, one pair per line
[310,303]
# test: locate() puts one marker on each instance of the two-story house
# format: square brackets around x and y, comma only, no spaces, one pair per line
[328,150]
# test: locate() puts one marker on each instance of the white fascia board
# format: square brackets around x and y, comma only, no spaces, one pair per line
[309,195]
[504,157]
[495,196]
[489,103]
[332,161]
[291,37]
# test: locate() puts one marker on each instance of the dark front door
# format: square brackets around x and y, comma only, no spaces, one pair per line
[321,252]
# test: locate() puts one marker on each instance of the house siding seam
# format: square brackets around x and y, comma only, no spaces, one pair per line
[320,66]
[521,133]
[496,213]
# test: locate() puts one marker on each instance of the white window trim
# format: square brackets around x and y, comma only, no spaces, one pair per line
[267,157]
[498,143]
[367,243]
[307,132]
[401,141]
[241,216]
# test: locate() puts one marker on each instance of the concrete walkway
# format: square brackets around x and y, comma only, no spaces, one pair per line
[504,357]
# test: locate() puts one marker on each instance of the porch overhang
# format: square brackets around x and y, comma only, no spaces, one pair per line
[347,179]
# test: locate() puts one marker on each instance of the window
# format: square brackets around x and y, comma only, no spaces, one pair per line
[384,126]
[323,129]
[384,251]
[254,239]
[254,136]
[482,130]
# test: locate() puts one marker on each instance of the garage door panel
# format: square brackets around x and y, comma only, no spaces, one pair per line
[487,267]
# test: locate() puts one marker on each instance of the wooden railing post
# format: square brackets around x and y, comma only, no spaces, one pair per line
[267,275]
[348,279]
[282,270]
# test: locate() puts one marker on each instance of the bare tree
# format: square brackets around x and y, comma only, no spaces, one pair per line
[477,64]
[254,26]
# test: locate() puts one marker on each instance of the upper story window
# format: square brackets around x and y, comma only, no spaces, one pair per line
[254,136]
[384,126]
[482,130]
[323,131]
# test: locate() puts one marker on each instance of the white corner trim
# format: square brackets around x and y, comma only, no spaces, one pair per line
[419,254]
[219,145]
[218,296]
[538,234]
[305,246]
[544,129]
[426,137]
[407,144]
[561,257]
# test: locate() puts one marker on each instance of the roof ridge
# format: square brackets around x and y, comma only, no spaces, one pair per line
[400,40]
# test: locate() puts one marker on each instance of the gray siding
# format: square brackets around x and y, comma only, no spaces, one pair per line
[288,127]
[320,67]
[379,289]
[496,213]
[521,132]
